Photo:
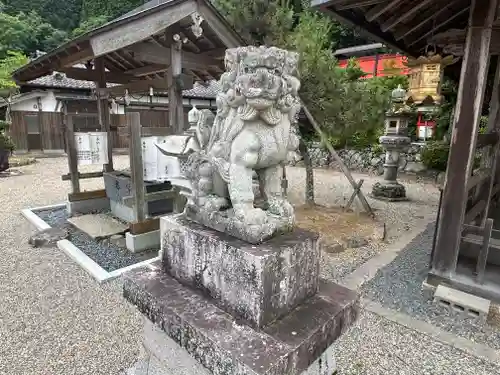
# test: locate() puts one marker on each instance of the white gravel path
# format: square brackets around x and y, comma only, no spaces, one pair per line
[54,319]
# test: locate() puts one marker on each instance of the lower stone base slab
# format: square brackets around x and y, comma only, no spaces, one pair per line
[223,345]
[160,355]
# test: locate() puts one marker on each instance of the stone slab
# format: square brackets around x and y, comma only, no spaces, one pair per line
[137,243]
[224,345]
[256,283]
[160,355]
[462,303]
[225,222]
[98,225]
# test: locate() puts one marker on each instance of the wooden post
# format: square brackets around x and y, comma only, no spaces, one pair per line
[103,110]
[175,106]
[342,165]
[490,156]
[136,166]
[72,157]
[463,141]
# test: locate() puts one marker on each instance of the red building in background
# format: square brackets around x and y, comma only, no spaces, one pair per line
[375,64]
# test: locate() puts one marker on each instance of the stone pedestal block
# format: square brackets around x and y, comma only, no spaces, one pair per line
[255,283]
[292,345]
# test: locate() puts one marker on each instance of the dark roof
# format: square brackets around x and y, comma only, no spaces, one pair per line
[403,25]
[357,49]
[209,90]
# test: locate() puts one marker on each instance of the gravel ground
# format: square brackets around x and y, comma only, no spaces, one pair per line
[377,346]
[54,318]
[398,286]
[333,189]
[107,255]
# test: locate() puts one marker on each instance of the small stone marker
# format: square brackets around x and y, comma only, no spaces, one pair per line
[98,225]
[48,237]
[462,303]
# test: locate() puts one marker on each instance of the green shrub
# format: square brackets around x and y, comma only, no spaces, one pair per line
[5,141]
[435,155]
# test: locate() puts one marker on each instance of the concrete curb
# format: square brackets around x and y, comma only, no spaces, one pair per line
[460,343]
[94,269]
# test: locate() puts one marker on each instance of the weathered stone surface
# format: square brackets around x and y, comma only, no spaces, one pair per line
[226,347]
[48,237]
[160,355]
[226,222]
[256,283]
[253,132]
[98,225]
[353,242]
[389,191]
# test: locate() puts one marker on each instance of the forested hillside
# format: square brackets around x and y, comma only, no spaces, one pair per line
[30,25]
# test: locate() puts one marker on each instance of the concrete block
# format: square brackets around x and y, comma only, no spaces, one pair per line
[122,212]
[88,206]
[256,283]
[462,303]
[187,334]
[98,225]
[141,242]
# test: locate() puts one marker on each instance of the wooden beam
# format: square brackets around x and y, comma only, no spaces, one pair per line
[85,195]
[437,27]
[404,15]
[103,110]
[72,157]
[144,85]
[92,75]
[343,167]
[136,165]
[367,32]
[67,177]
[357,4]
[147,70]
[140,28]
[463,145]
[175,106]
[145,226]
[76,58]
[376,12]
[218,25]
[153,53]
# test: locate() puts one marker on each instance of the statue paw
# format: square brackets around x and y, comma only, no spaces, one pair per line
[213,203]
[281,207]
[251,216]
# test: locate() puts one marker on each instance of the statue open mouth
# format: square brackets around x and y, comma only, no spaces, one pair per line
[259,104]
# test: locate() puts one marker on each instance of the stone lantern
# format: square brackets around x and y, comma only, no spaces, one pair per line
[394,141]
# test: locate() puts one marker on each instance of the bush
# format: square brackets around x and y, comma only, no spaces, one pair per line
[5,141]
[435,155]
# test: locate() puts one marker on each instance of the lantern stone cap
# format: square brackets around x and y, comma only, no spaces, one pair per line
[398,94]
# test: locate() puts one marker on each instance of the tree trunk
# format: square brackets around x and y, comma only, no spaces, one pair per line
[304,152]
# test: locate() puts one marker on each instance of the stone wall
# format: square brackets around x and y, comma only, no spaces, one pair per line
[368,160]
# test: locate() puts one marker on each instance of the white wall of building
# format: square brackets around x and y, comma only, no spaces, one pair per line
[51,104]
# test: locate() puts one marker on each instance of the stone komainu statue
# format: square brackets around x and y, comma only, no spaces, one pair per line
[253,131]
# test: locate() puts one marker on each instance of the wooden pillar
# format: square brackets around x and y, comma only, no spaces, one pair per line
[136,166]
[463,141]
[175,106]
[71,151]
[103,110]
